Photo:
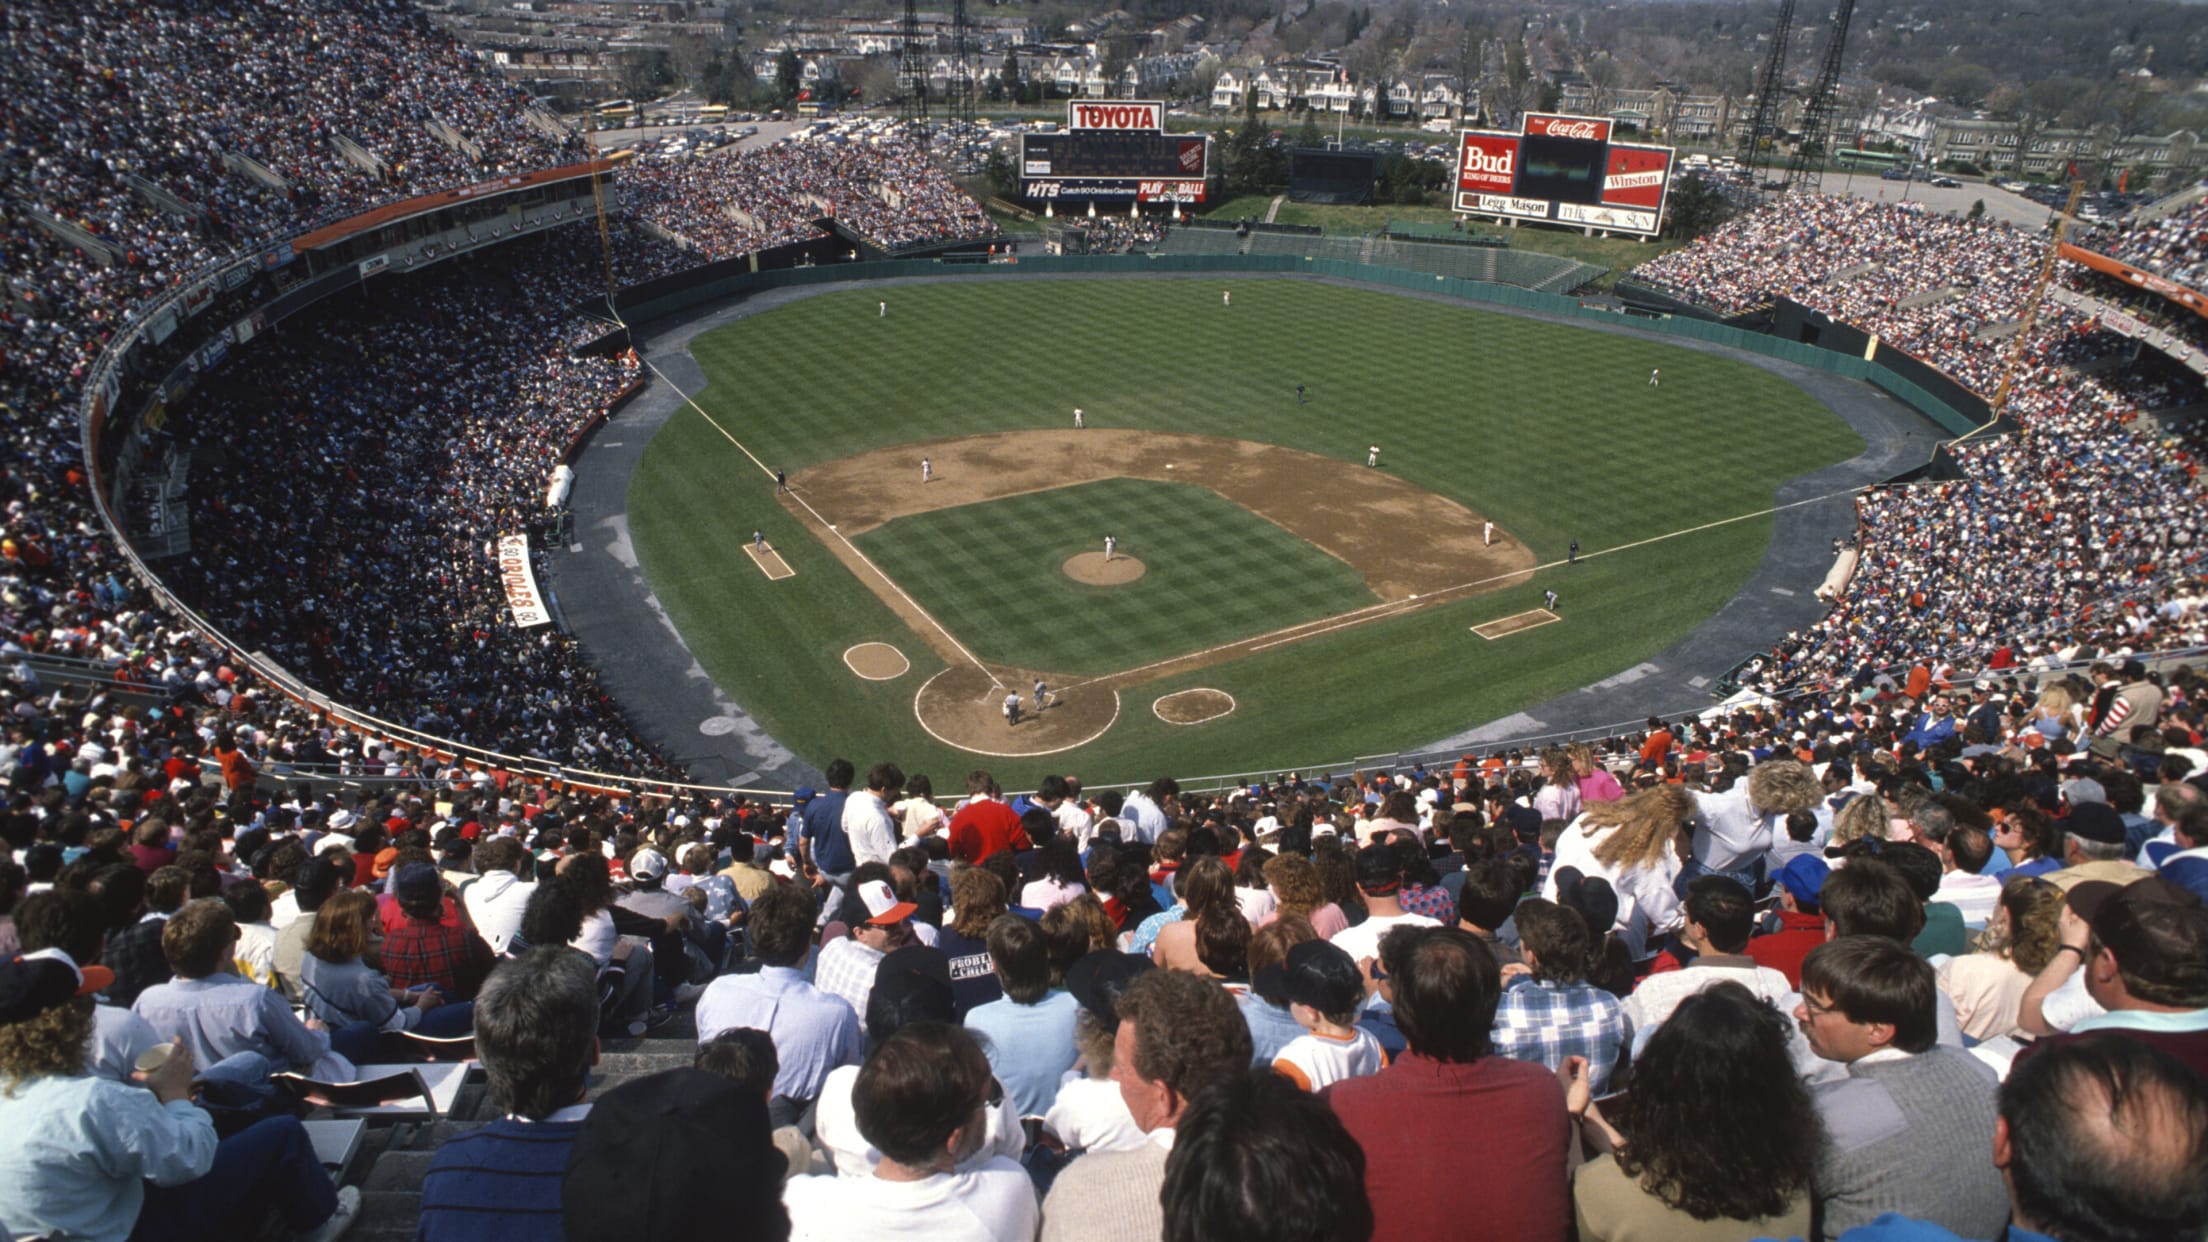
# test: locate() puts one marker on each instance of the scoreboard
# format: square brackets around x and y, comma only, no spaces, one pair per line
[1564,170]
[1115,150]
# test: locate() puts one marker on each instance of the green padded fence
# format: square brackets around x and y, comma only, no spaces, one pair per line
[1316,256]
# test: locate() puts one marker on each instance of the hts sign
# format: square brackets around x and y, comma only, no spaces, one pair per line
[1130,115]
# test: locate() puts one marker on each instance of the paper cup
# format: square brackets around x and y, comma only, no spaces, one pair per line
[154,1058]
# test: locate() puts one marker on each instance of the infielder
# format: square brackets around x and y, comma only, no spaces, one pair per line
[1654,376]
[927,470]
[1487,536]
[1372,455]
[1078,424]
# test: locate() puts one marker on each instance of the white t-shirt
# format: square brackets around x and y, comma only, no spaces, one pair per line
[1089,1114]
[993,1203]
[1313,1061]
[1363,940]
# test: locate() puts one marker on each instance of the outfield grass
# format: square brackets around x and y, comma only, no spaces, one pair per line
[1554,430]
[1216,572]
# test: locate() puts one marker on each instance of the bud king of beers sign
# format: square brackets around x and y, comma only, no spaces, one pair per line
[1116,114]
[1584,128]
[1488,163]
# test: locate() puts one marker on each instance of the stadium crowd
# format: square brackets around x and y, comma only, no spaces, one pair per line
[1796,972]
[731,202]
[2175,246]
[2084,525]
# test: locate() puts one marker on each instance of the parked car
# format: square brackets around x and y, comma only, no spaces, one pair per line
[1947,183]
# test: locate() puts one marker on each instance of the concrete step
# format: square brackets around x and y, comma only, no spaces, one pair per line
[398,1170]
[387,1214]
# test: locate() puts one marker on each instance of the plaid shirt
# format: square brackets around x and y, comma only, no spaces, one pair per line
[1544,1021]
[416,952]
[845,969]
[134,954]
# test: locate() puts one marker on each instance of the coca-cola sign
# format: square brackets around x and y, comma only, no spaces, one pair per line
[1584,128]
[1115,114]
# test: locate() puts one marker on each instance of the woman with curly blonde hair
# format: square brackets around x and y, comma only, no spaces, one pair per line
[1863,815]
[2059,712]
[1988,986]
[1298,892]
[1634,843]
[88,1157]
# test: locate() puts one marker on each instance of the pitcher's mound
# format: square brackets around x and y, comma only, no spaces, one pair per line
[1093,569]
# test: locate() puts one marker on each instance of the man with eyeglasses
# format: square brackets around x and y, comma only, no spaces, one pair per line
[1906,1129]
[1935,725]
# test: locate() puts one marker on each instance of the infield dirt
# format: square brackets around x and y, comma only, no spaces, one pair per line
[1403,539]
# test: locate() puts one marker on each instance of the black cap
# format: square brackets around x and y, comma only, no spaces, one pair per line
[911,984]
[1315,973]
[680,1154]
[1378,872]
[2094,821]
[1592,896]
[1098,979]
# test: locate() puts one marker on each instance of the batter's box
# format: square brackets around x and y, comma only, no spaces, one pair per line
[770,563]
[1515,623]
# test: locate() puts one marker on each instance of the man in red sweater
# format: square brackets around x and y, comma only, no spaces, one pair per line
[985,824]
[1458,1144]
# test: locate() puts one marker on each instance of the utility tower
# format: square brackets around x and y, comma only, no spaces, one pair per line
[960,104]
[1764,125]
[912,68]
[1806,171]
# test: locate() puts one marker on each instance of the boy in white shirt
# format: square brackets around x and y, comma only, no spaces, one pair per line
[1324,991]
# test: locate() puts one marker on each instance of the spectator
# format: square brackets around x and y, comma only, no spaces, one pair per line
[218,1015]
[1028,1035]
[977,898]
[846,966]
[94,1159]
[1089,1113]
[1720,918]
[746,1057]
[430,943]
[671,1157]
[356,1002]
[1177,1033]
[985,825]
[867,824]
[1204,886]
[65,924]
[813,1031]
[1325,993]
[1716,1138]
[499,895]
[1548,1011]
[1800,920]
[1379,879]
[922,1099]
[2142,949]
[1904,1125]
[313,882]
[1633,844]
[1296,893]
[1255,1158]
[536,1027]
[1987,987]
[1427,1175]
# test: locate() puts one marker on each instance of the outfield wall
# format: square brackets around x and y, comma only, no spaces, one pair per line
[663,301]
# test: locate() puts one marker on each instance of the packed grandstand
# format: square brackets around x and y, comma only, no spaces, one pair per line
[1977,704]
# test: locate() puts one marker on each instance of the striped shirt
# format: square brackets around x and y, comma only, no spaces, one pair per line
[499,1183]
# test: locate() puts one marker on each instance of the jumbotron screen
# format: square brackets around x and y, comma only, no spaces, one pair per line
[1564,170]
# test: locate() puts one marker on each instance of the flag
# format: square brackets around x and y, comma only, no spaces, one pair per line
[2123,181]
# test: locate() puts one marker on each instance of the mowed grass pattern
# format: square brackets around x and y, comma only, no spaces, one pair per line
[1554,430]
[1215,573]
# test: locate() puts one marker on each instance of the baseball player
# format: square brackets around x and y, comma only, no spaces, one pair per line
[1012,707]
[1040,691]
[758,541]
[1078,424]
[1549,598]
[1487,536]
[1372,455]
[1109,544]
[927,470]
[1654,376]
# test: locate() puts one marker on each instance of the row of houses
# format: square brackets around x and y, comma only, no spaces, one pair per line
[1927,132]
[1323,87]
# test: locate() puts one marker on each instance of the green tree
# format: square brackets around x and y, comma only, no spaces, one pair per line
[1696,207]
[1308,136]
[1009,74]
[789,75]
[1978,210]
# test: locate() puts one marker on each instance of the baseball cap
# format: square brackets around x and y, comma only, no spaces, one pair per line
[416,882]
[911,984]
[1804,877]
[36,982]
[2090,897]
[882,907]
[678,1154]
[341,820]
[1317,973]
[2080,790]
[803,795]
[1098,979]
[2095,821]
[647,864]
[1592,896]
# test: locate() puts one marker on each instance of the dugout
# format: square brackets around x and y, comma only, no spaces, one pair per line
[1326,175]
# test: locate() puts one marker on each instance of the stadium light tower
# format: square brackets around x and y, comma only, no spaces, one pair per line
[961,104]
[1806,171]
[1764,124]
[912,68]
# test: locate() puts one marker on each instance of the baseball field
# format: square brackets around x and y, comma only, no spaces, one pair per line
[1272,599]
